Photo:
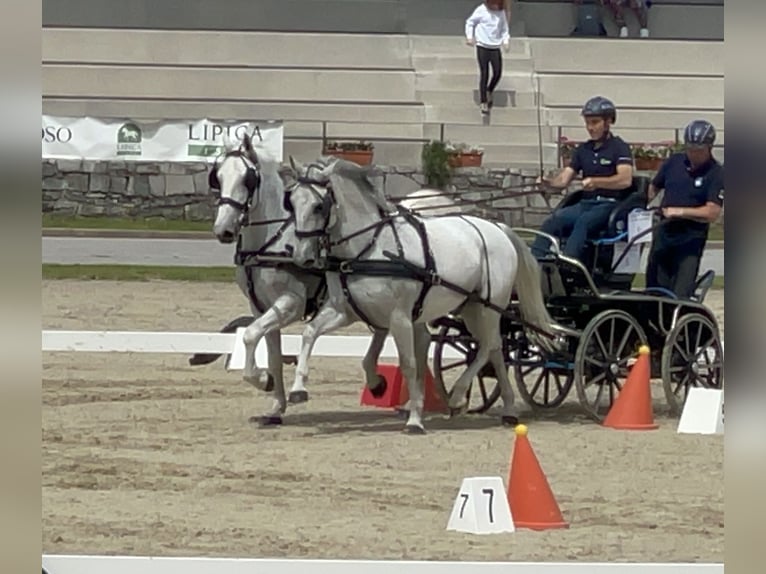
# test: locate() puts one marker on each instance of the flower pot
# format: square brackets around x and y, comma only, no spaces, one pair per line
[358,156]
[465,159]
[648,163]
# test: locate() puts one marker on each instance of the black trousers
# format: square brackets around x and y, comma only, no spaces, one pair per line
[674,263]
[487,56]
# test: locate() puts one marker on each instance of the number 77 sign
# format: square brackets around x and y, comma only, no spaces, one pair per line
[481,507]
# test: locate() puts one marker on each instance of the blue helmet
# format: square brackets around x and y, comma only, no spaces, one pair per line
[600,107]
[699,132]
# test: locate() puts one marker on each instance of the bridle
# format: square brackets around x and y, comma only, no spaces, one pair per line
[252,182]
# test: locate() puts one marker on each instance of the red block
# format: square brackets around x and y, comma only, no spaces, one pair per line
[396,393]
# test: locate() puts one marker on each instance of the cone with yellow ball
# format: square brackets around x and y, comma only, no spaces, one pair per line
[632,410]
[530,497]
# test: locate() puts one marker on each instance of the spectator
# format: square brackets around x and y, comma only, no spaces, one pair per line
[640,9]
[487,29]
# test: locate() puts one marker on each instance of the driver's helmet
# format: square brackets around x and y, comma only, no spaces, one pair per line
[600,107]
[699,133]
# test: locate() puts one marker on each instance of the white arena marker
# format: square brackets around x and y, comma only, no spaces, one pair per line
[236,360]
[481,507]
[703,412]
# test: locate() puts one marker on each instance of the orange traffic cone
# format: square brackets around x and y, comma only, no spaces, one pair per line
[632,410]
[529,494]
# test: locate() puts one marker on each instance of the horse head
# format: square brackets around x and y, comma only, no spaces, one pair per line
[237,182]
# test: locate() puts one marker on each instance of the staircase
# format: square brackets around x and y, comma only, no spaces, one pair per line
[446,82]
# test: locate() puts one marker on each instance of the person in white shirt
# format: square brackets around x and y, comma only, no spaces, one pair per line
[487,29]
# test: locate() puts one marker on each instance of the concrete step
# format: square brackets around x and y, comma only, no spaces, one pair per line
[627,56]
[347,112]
[385,153]
[355,130]
[485,135]
[469,114]
[470,97]
[638,118]
[264,84]
[455,44]
[516,81]
[183,47]
[467,64]
[634,91]
[496,155]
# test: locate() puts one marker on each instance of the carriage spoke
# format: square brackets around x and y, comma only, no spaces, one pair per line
[454,365]
[624,340]
[536,386]
[593,361]
[600,342]
[611,335]
[595,380]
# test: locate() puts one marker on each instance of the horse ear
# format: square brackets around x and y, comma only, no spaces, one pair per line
[296,165]
[247,143]
[227,143]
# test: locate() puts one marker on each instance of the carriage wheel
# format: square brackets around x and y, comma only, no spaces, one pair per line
[692,357]
[603,359]
[543,383]
[455,337]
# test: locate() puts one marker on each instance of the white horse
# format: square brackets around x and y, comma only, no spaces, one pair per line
[480,261]
[279,292]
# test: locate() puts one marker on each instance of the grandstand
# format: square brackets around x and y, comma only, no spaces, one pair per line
[396,90]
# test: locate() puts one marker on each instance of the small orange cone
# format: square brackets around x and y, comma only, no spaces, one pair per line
[632,410]
[529,494]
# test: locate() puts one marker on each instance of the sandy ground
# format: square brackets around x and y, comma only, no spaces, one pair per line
[145,455]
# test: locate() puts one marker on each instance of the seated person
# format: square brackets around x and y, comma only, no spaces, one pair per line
[606,164]
[639,7]
[693,184]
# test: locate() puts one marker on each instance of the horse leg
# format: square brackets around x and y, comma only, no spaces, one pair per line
[471,314]
[285,310]
[375,382]
[401,328]
[276,368]
[506,390]
[327,320]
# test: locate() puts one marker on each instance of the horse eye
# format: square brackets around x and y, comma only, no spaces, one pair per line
[318,208]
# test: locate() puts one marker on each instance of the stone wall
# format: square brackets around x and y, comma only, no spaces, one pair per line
[180,190]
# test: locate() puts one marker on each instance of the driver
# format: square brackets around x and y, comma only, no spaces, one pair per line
[693,184]
[606,164]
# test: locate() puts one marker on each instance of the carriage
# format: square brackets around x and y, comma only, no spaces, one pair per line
[606,320]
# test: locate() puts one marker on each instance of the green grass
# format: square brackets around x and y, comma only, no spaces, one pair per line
[161,224]
[172,273]
[97,222]
[137,272]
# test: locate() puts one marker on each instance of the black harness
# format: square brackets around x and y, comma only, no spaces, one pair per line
[262,257]
[395,264]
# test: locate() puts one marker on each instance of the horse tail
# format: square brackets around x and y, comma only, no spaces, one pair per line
[530,292]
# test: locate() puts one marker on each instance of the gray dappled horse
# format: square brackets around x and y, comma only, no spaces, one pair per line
[398,271]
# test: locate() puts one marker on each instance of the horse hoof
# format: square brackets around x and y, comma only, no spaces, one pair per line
[380,389]
[510,421]
[456,412]
[414,429]
[297,397]
[268,385]
[269,421]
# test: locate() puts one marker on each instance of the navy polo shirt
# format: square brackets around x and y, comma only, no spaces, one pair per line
[687,187]
[600,159]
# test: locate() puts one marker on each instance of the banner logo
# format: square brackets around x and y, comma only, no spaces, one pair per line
[129,138]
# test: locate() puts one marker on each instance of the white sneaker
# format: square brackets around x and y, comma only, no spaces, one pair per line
[624,32]
[644,32]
